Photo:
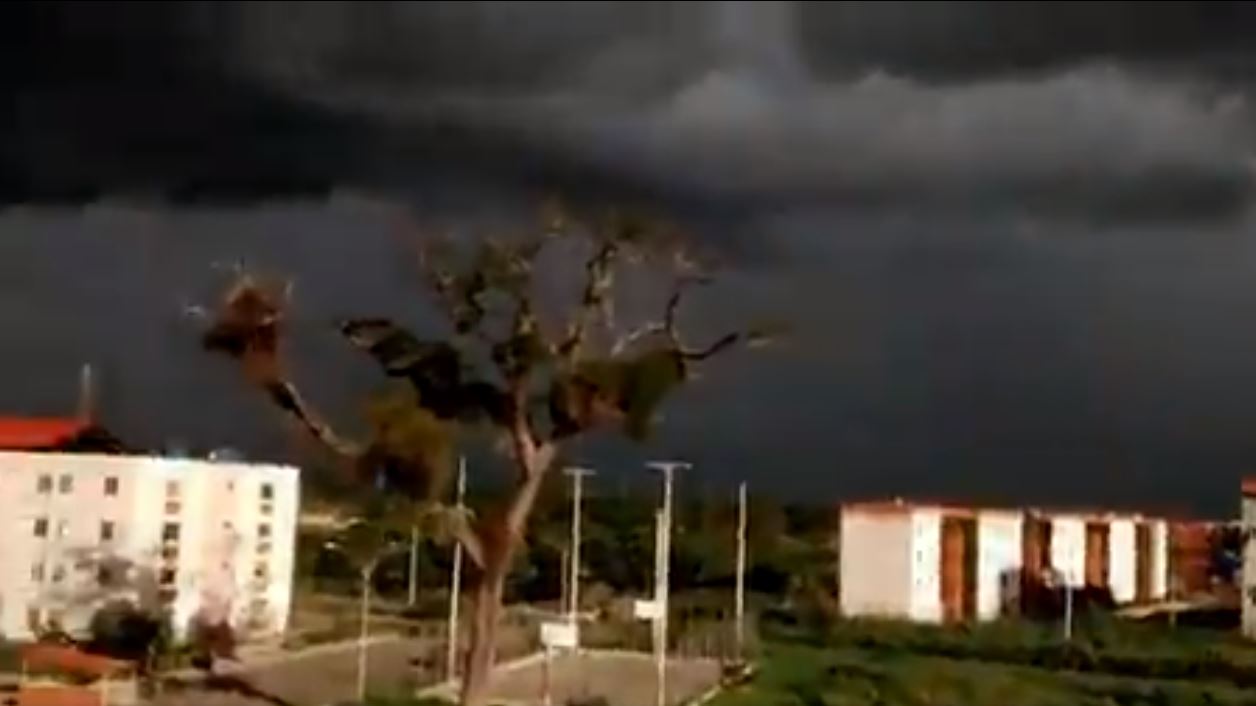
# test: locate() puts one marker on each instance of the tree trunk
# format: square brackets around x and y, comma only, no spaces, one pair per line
[486,610]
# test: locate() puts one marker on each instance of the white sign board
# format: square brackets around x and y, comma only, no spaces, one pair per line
[646,610]
[561,635]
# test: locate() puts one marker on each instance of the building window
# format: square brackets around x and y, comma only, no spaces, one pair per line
[34,619]
[167,577]
[263,531]
[65,483]
[268,492]
[170,532]
[106,531]
[172,507]
[44,485]
[260,572]
[263,547]
[104,576]
[111,485]
[37,571]
[169,553]
[166,594]
[41,527]
[63,528]
[58,573]
[172,489]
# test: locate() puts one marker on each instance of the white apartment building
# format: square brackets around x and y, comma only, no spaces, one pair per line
[189,536]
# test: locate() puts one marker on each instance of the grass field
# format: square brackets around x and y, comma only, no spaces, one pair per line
[1108,663]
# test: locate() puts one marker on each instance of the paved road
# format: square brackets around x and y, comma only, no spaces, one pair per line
[324,675]
[624,679]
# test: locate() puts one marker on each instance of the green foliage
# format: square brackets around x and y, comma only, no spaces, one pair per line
[121,630]
[409,445]
[1101,645]
[794,673]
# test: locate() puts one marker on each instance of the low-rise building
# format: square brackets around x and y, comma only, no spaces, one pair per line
[1248,573]
[195,538]
[943,563]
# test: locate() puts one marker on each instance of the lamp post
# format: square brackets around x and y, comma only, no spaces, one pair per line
[455,584]
[662,574]
[739,598]
[366,575]
[577,481]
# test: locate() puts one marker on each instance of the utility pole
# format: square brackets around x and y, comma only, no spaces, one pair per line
[455,586]
[87,395]
[573,583]
[364,629]
[739,599]
[662,573]
[414,565]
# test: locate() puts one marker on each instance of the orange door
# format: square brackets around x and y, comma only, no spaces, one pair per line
[1097,554]
[952,565]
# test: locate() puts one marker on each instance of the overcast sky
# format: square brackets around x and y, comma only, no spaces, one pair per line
[1014,241]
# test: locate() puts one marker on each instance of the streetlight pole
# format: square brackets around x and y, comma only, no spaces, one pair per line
[739,599]
[662,574]
[414,565]
[455,586]
[367,572]
[367,575]
[577,480]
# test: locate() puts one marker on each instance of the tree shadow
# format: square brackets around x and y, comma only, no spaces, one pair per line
[239,686]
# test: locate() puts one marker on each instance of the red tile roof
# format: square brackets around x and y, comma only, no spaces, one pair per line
[29,433]
[70,660]
[53,695]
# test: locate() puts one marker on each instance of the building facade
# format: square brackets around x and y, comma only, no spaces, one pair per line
[195,538]
[944,563]
[1248,573]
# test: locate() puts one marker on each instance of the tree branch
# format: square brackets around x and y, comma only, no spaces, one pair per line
[464,533]
[248,327]
[667,324]
[594,301]
[285,395]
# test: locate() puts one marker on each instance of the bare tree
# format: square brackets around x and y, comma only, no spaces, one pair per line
[497,368]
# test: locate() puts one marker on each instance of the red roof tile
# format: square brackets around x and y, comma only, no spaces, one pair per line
[29,433]
[70,660]
[49,695]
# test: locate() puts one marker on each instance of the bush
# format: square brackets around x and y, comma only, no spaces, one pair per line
[121,630]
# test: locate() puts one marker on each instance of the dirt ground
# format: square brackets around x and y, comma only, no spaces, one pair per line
[623,678]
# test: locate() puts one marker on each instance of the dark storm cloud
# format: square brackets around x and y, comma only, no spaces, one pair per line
[965,40]
[1010,239]
[694,106]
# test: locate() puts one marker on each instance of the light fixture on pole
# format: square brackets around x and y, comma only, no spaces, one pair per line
[367,576]
[739,598]
[662,573]
[577,482]
[455,584]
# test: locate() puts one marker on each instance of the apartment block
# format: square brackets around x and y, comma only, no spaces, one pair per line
[192,537]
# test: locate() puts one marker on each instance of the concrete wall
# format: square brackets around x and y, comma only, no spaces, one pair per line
[1068,548]
[998,562]
[1160,559]
[1122,560]
[59,574]
[926,581]
[876,564]
[1249,567]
